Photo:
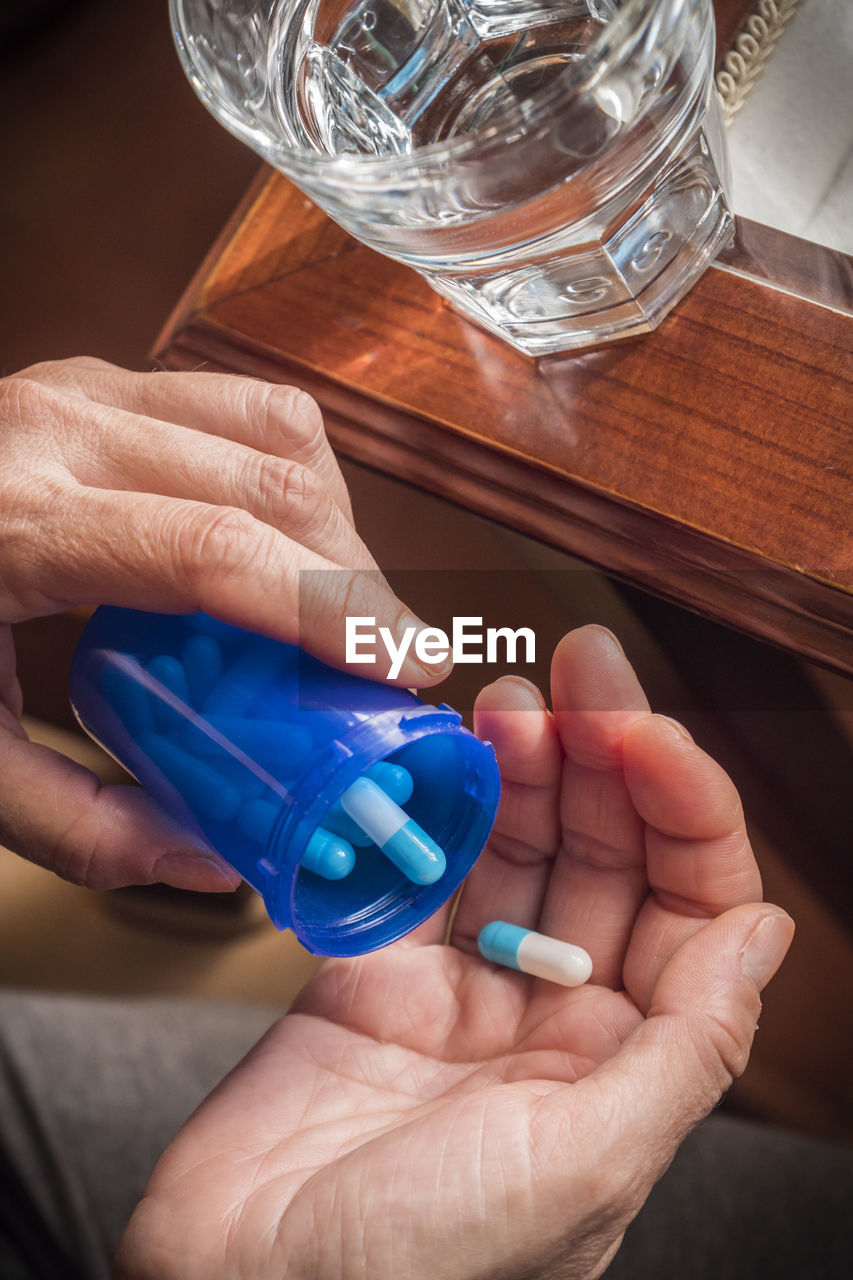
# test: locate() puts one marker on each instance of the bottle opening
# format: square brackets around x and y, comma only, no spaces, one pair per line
[453,801]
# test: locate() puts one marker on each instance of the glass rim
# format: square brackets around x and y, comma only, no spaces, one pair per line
[531,113]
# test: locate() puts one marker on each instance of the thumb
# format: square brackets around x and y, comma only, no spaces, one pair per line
[704,1009]
[673,1068]
[56,813]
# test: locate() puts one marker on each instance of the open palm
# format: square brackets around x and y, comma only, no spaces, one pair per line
[421,1113]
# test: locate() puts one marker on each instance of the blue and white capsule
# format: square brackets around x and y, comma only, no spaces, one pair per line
[400,838]
[535,953]
[394,780]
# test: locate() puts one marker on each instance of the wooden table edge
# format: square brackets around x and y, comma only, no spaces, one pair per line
[568,515]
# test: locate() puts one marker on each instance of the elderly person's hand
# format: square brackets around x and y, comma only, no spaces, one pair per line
[423,1114]
[165,491]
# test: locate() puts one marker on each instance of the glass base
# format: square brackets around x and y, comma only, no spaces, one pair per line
[622,284]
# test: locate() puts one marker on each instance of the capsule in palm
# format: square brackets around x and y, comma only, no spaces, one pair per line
[535,953]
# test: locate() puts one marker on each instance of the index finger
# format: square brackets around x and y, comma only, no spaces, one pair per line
[165,555]
[511,877]
[598,881]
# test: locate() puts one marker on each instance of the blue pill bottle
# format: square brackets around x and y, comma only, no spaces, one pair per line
[255,746]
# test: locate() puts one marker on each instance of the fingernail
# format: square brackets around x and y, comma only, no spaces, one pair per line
[225,873]
[532,691]
[766,947]
[608,634]
[431,669]
[674,724]
[181,865]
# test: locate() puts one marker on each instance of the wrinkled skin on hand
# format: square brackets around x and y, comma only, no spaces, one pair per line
[423,1114]
[172,492]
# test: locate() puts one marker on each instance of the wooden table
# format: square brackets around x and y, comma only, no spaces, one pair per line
[709,462]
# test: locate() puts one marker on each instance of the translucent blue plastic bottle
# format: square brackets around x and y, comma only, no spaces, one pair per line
[252,744]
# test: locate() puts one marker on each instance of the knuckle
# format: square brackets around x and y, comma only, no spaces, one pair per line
[355,594]
[722,1052]
[360,593]
[57,374]
[41,370]
[71,847]
[44,405]
[74,853]
[84,850]
[294,494]
[213,542]
[330,594]
[31,541]
[89,362]
[255,400]
[23,398]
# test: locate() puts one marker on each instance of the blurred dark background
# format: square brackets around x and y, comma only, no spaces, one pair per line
[115,179]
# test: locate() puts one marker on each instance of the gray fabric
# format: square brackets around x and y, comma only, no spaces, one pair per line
[91,1091]
[745,1201]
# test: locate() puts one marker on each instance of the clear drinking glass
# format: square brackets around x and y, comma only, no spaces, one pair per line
[556,169]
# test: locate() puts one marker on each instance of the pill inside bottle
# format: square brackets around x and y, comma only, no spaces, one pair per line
[398,836]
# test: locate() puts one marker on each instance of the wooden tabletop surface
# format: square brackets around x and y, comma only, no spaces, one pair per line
[710,461]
